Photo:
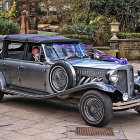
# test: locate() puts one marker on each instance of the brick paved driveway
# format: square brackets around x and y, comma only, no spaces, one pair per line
[27,119]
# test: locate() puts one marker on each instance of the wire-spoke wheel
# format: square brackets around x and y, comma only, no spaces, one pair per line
[61,77]
[96,108]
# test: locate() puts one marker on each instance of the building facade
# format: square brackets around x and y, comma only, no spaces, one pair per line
[5,5]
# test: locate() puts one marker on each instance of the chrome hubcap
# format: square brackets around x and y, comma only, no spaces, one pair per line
[59,79]
[93,109]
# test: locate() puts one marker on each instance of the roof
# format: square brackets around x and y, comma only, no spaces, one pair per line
[40,38]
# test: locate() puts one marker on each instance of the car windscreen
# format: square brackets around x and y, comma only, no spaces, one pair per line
[64,51]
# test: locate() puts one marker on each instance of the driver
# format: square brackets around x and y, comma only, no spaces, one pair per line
[35,54]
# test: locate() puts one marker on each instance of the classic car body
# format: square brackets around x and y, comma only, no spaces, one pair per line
[65,71]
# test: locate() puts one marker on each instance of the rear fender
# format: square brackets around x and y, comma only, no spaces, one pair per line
[2,82]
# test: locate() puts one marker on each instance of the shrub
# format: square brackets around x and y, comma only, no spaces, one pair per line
[84,38]
[80,28]
[8,27]
[102,36]
[64,29]
[128,35]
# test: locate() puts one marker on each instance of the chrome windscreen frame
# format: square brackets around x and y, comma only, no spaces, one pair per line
[46,58]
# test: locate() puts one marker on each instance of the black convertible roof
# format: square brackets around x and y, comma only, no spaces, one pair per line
[40,38]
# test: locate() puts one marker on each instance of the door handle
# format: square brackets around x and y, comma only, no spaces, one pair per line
[20,68]
[4,64]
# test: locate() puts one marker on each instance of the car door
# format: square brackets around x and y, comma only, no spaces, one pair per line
[13,57]
[33,74]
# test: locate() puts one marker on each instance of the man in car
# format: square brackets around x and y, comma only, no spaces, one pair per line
[35,54]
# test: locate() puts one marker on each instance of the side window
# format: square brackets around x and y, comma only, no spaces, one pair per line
[35,53]
[15,51]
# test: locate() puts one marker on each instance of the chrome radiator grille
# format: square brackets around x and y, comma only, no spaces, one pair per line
[124,84]
[131,81]
[80,72]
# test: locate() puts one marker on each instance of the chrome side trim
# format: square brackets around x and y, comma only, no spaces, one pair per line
[46,58]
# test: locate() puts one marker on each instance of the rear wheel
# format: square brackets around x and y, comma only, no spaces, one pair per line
[1,96]
[96,108]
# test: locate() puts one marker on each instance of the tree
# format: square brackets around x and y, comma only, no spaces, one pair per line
[127,12]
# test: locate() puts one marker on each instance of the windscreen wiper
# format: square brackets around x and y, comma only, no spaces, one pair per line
[74,56]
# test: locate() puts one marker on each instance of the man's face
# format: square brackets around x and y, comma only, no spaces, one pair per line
[36,51]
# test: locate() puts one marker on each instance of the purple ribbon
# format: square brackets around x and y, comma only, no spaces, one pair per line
[123,61]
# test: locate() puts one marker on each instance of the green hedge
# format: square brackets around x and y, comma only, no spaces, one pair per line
[128,35]
[84,38]
[8,27]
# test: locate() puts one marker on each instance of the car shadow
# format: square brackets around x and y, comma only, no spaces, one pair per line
[39,103]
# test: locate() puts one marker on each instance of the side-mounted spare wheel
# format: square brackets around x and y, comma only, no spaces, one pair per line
[1,96]
[96,108]
[62,76]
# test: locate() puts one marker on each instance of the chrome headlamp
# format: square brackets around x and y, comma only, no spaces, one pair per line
[112,76]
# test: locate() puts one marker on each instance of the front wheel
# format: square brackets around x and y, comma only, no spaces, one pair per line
[138,112]
[96,108]
[1,96]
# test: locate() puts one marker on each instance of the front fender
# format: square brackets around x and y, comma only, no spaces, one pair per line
[137,83]
[94,85]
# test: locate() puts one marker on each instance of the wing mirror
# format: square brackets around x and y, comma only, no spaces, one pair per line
[95,56]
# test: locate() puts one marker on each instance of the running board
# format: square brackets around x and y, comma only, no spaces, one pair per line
[96,85]
[26,94]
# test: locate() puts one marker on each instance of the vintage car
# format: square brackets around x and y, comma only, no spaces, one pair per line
[64,71]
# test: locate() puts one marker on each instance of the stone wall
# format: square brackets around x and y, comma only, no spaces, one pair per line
[126,48]
[120,48]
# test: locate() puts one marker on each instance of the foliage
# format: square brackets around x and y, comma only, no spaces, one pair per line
[102,36]
[78,11]
[41,12]
[12,13]
[124,11]
[84,38]
[60,9]
[8,27]
[128,35]
[80,28]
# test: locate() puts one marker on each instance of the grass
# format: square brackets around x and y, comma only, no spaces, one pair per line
[46,33]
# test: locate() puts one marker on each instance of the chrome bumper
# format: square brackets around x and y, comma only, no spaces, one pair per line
[126,105]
